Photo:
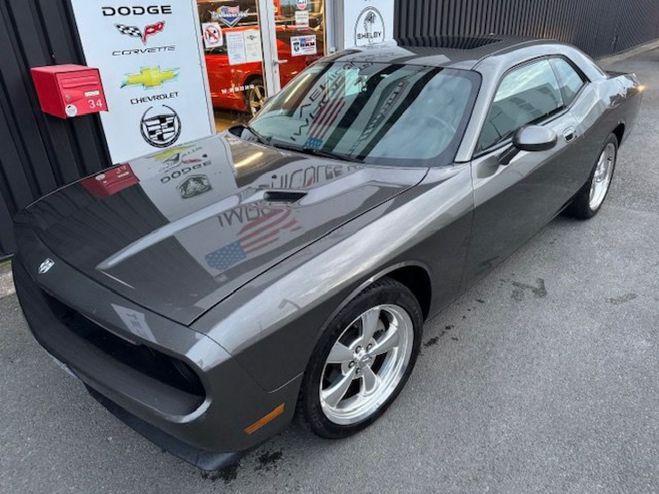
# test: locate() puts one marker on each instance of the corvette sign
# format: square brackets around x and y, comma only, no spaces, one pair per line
[151,62]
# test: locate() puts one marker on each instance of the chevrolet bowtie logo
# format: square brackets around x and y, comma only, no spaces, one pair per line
[150,77]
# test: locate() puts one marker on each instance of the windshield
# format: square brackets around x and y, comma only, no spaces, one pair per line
[372,112]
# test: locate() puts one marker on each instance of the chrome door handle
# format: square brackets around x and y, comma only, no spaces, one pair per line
[280,62]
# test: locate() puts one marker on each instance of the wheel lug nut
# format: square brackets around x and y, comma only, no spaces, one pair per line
[369,347]
[358,349]
[351,364]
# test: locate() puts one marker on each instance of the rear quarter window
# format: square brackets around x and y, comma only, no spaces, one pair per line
[569,79]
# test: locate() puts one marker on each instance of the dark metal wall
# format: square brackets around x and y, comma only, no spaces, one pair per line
[39,153]
[599,27]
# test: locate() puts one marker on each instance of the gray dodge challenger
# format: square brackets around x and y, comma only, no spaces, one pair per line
[208,294]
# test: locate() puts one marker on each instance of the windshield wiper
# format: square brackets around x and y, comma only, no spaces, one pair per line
[299,149]
[314,152]
[259,137]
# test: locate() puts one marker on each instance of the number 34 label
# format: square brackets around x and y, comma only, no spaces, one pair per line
[95,104]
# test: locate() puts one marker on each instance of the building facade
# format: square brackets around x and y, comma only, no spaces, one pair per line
[40,153]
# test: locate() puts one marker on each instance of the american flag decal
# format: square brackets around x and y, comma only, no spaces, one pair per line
[255,235]
[326,116]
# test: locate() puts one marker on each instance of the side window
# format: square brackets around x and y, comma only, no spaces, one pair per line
[526,95]
[570,80]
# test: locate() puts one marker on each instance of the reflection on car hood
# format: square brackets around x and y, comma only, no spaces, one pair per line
[180,230]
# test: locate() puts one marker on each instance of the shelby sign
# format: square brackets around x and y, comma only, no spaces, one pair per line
[367,22]
[151,62]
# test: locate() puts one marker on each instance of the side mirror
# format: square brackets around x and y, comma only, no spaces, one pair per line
[530,138]
[534,138]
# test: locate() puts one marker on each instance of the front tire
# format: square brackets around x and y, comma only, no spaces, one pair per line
[362,361]
[590,197]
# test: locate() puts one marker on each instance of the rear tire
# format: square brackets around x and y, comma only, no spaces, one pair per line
[591,196]
[255,95]
[362,361]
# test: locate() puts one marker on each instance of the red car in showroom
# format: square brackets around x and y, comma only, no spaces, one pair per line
[241,87]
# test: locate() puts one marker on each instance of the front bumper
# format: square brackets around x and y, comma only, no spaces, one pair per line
[205,460]
[199,414]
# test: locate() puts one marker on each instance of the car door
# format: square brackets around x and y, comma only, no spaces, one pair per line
[581,101]
[512,202]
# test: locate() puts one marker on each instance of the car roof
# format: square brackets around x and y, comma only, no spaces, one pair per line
[438,51]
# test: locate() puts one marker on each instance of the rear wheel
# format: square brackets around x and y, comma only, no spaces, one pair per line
[590,198]
[362,361]
[255,96]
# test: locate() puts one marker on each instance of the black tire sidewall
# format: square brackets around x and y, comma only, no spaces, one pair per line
[385,291]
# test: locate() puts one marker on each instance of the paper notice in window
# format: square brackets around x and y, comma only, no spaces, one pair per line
[235,42]
[302,18]
[253,51]
[303,45]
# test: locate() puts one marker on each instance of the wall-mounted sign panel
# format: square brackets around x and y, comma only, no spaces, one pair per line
[150,58]
[367,22]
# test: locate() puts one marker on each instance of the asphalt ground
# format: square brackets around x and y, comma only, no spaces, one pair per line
[541,378]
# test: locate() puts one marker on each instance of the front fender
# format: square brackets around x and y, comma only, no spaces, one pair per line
[272,324]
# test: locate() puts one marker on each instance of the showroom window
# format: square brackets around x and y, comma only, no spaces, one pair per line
[234,33]
[526,95]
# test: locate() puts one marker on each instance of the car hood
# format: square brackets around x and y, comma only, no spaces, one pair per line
[180,230]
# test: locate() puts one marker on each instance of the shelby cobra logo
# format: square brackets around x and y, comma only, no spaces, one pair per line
[143,34]
[160,128]
[369,28]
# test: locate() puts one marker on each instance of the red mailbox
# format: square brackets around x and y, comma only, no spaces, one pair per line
[69,90]
[111,181]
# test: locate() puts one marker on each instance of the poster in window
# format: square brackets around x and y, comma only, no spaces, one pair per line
[213,37]
[236,47]
[253,51]
[302,19]
[303,45]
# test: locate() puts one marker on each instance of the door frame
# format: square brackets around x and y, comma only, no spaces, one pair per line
[268,27]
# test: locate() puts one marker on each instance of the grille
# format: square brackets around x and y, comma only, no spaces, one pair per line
[142,358]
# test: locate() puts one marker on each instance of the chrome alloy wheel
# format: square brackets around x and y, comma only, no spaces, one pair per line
[366,364]
[256,98]
[602,177]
